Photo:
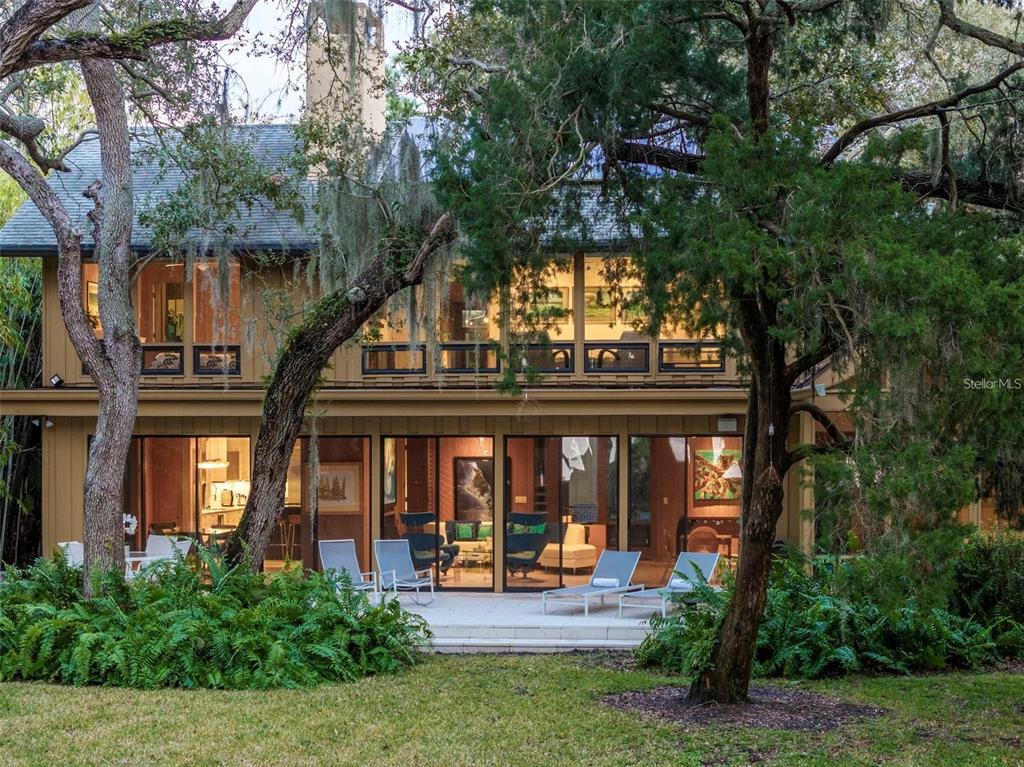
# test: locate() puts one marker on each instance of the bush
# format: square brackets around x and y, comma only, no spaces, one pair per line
[220,628]
[990,587]
[811,629]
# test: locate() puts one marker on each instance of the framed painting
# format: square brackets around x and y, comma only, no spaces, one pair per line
[597,306]
[717,475]
[390,472]
[338,488]
[474,489]
[552,304]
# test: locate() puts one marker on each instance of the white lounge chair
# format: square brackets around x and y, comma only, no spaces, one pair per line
[74,553]
[340,556]
[159,548]
[689,569]
[613,574]
[397,572]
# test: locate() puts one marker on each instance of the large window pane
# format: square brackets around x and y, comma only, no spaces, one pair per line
[614,342]
[439,495]
[160,306]
[562,510]
[217,301]
[391,343]
[716,482]
[91,295]
[541,305]
[684,495]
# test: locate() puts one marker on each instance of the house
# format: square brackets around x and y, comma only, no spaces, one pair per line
[627,442]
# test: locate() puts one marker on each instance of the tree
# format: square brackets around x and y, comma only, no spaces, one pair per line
[788,200]
[111,46]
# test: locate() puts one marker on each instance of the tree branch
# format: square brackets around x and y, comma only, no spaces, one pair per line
[69,250]
[133,44]
[921,110]
[819,415]
[651,154]
[949,19]
[24,27]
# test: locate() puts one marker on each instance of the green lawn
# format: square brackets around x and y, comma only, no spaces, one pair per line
[496,710]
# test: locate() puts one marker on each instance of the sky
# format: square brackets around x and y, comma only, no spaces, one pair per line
[261,82]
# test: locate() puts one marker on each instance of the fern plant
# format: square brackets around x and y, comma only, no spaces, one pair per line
[226,628]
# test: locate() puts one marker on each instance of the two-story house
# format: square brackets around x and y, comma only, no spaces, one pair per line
[626,442]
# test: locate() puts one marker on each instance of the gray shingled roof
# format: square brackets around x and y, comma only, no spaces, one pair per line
[261,228]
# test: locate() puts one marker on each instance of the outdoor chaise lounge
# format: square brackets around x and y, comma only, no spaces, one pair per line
[688,569]
[340,556]
[612,575]
[397,572]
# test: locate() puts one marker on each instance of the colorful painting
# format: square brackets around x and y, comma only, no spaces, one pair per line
[390,474]
[474,489]
[338,488]
[551,304]
[717,475]
[597,306]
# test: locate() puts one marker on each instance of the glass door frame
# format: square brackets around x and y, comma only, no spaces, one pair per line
[506,506]
[687,492]
[437,499]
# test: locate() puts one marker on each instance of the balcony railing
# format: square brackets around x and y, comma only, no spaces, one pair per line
[163,360]
[394,359]
[544,358]
[614,357]
[216,360]
[480,357]
[690,356]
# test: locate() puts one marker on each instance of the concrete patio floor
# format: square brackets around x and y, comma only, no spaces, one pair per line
[481,622]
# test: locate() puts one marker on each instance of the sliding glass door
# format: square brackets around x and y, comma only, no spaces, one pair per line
[562,509]
[439,495]
[684,495]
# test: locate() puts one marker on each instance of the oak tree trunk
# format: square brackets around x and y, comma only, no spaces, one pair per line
[334,319]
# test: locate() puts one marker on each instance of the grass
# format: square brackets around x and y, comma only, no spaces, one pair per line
[496,710]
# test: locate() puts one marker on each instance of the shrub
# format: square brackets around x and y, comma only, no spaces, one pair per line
[225,627]
[990,578]
[811,629]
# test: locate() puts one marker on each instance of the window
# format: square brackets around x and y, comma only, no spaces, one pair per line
[91,295]
[562,511]
[439,495]
[695,355]
[189,486]
[388,338]
[160,303]
[468,330]
[217,301]
[612,340]
[684,496]
[542,319]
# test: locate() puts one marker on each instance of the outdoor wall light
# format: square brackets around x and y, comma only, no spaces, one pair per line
[819,389]
[56,381]
[48,422]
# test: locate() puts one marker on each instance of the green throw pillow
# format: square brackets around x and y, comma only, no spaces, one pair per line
[485,531]
[463,531]
[536,528]
[517,528]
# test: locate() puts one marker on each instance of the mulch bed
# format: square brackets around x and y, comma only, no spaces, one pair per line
[773,708]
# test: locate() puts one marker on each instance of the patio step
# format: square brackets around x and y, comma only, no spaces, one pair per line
[453,638]
[465,645]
